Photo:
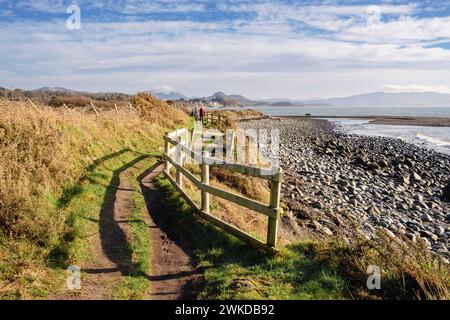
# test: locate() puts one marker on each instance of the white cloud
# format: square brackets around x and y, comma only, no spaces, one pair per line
[267,9]
[141,56]
[47,6]
[165,89]
[162,7]
[405,30]
[265,56]
[349,23]
[325,17]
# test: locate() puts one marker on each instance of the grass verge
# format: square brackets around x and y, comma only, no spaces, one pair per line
[135,285]
[55,171]
[311,270]
[235,271]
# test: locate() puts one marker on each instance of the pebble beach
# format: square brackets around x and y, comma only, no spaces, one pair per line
[381,183]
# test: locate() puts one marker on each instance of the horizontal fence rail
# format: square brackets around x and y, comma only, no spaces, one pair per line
[177,151]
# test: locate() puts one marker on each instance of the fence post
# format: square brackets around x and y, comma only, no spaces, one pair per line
[180,162]
[34,106]
[275,190]
[205,180]
[166,151]
[93,108]
[66,107]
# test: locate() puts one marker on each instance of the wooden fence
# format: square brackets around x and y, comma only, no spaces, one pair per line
[176,153]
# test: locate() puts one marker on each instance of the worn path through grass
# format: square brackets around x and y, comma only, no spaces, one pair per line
[136,250]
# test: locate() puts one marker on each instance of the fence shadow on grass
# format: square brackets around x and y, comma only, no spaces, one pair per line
[113,239]
[73,191]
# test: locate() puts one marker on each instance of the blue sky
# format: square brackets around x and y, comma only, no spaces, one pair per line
[262,49]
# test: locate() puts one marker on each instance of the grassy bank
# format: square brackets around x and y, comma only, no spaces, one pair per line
[235,271]
[55,167]
[310,270]
[135,285]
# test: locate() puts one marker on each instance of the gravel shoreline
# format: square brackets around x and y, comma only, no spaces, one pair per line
[332,178]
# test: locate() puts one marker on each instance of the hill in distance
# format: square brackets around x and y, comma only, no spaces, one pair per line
[388,99]
[370,100]
[374,99]
[54,89]
[168,95]
[62,90]
[224,99]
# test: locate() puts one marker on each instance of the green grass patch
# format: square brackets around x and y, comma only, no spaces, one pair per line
[311,270]
[134,286]
[56,169]
[233,270]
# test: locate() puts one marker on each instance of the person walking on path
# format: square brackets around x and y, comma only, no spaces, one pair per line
[196,115]
[202,113]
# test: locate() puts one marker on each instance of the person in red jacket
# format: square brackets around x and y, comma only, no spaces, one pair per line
[202,113]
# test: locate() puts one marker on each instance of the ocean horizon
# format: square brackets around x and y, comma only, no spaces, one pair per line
[336,111]
[434,138]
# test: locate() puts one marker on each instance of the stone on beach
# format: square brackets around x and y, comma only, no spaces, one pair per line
[371,181]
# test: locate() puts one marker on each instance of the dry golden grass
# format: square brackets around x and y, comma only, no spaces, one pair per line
[156,111]
[245,219]
[408,269]
[251,187]
[42,152]
[231,117]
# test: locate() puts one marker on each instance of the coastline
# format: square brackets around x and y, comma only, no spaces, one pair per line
[387,120]
[334,180]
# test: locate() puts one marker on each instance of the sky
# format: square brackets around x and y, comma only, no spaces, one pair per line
[261,49]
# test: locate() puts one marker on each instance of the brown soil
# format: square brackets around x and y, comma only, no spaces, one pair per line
[173,275]
[174,271]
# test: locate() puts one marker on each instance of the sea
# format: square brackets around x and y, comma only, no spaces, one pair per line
[436,138]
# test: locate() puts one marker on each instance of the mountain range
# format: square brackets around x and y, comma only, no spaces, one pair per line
[374,99]
[384,99]
[228,100]
[168,95]
[387,99]
[55,89]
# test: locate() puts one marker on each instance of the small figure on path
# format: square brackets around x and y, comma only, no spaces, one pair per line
[196,113]
[202,113]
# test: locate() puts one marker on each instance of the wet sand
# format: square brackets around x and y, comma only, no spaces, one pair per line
[420,121]
[400,121]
